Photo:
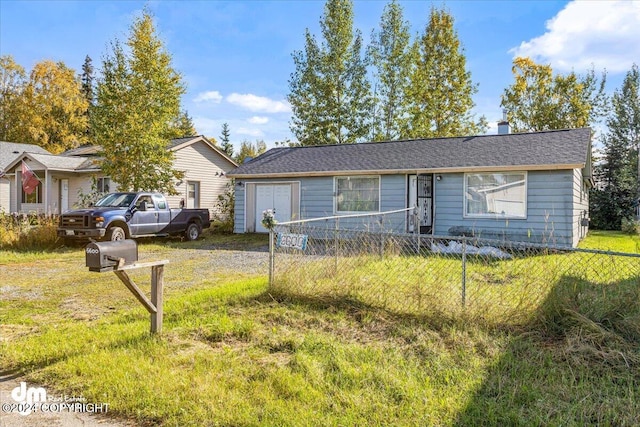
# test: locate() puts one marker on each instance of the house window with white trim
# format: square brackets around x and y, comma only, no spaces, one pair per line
[34,197]
[357,193]
[104,184]
[495,195]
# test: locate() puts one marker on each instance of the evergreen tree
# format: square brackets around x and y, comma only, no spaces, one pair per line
[137,106]
[441,90]
[88,90]
[390,54]
[329,92]
[183,126]
[87,80]
[616,196]
[539,101]
[227,146]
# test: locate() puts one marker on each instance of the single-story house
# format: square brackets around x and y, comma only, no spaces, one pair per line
[64,177]
[9,151]
[525,187]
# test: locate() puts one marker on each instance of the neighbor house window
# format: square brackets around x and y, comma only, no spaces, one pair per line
[104,184]
[357,194]
[495,195]
[35,197]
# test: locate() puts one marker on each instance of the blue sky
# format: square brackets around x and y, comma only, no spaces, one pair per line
[235,56]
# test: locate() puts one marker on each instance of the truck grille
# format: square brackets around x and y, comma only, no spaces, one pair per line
[75,221]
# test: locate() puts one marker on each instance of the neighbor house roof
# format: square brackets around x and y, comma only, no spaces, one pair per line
[55,162]
[174,145]
[179,143]
[557,149]
[10,150]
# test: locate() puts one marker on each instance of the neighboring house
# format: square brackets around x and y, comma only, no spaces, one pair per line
[63,177]
[524,187]
[10,154]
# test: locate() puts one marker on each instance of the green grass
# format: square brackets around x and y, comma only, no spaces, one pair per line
[611,241]
[233,353]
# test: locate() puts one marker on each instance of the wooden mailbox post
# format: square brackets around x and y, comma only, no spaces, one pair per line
[154,307]
[122,256]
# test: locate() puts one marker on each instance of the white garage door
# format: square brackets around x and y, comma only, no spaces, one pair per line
[276,197]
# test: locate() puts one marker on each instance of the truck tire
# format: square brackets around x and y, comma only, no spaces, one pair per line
[116,233]
[192,232]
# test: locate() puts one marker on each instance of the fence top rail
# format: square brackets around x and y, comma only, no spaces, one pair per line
[476,240]
[338,217]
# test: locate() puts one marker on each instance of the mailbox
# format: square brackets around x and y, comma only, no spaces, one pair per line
[105,256]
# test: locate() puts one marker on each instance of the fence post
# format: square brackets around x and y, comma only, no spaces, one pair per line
[416,225]
[271,256]
[335,237]
[464,271]
[382,238]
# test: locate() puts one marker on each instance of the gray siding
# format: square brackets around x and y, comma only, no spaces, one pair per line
[552,211]
[580,205]
[549,209]
[316,201]
[239,215]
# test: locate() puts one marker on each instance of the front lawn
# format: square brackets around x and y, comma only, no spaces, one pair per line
[234,354]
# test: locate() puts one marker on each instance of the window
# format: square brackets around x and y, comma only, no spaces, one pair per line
[104,184]
[159,201]
[357,194]
[491,195]
[147,200]
[35,197]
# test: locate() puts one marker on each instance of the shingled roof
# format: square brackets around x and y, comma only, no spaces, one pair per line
[557,149]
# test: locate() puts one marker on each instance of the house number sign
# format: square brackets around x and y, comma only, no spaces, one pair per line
[289,240]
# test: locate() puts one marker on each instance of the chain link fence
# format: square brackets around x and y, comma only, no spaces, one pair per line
[369,259]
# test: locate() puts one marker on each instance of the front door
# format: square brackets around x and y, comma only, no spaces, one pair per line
[276,197]
[64,195]
[193,194]
[421,195]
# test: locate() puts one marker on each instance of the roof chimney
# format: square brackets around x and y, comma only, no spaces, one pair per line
[503,125]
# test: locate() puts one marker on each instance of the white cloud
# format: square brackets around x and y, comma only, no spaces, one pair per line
[602,34]
[258,103]
[206,126]
[257,120]
[256,133]
[212,95]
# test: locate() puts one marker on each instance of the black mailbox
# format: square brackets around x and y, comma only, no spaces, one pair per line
[105,256]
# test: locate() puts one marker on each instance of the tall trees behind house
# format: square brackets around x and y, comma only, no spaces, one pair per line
[440,93]
[539,100]
[617,194]
[137,107]
[225,139]
[420,90]
[13,120]
[182,126]
[87,79]
[47,108]
[250,150]
[390,53]
[329,92]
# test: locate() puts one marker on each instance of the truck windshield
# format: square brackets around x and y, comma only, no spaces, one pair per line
[116,200]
